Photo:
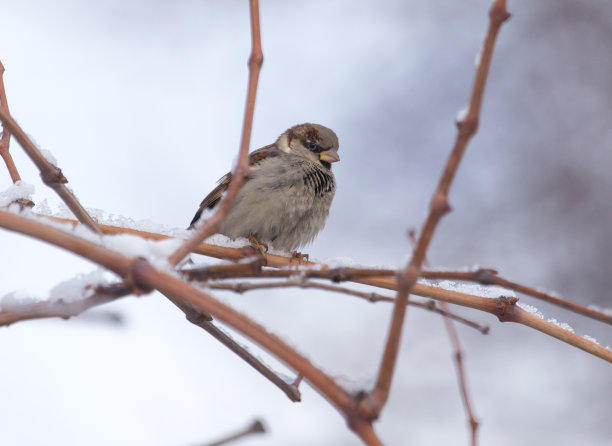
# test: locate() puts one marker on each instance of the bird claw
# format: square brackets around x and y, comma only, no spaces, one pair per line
[261,247]
[299,257]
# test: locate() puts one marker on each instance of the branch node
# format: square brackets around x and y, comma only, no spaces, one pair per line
[339,275]
[297,381]
[485,275]
[136,276]
[504,307]
[467,126]
[367,407]
[256,59]
[53,175]
[498,12]
[439,203]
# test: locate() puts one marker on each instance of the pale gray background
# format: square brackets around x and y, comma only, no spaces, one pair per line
[142,103]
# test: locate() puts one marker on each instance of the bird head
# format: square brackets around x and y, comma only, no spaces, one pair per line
[312,141]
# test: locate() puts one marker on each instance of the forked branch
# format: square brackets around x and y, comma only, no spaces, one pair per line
[6,134]
[489,276]
[51,175]
[144,278]
[373,404]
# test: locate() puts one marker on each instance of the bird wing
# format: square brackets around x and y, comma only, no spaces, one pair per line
[214,197]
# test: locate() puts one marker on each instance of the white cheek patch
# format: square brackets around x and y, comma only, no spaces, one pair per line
[283,144]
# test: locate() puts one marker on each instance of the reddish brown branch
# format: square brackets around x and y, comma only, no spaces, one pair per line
[253,269]
[212,225]
[6,134]
[204,321]
[50,309]
[489,276]
[465,396]
[241,287]
[373,277]
[439,206]
[500,307]
[144,277]
[51,175]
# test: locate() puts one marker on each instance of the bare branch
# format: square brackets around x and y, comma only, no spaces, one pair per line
[439,206]
[51,175]
[465,396]
[212,225]
[144,278]
[61,309]
[389,283]
[241,287]
[6,134]
[489,276]
[203,321]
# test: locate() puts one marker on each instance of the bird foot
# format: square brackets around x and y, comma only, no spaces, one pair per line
[299,257]
[261,247]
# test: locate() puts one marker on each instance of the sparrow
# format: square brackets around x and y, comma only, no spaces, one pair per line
[287,193]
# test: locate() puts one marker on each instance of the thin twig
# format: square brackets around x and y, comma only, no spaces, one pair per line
[197,318]
[51,175]
[371,407]
[458,354]
[212,225]
[58,308]
[6,134]
[256,427]
[489,276]
[253,269]
[241,287]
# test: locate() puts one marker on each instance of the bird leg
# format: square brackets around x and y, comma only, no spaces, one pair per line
[260,246]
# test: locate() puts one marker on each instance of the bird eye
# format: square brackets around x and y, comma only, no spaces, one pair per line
[312,145]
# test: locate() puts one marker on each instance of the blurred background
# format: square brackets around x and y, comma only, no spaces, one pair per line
[142,104]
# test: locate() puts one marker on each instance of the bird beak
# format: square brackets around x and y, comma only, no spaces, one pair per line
[329,156]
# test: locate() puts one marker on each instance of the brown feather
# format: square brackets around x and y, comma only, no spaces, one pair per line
[214,197]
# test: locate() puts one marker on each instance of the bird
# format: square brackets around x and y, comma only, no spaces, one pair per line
[287,194]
